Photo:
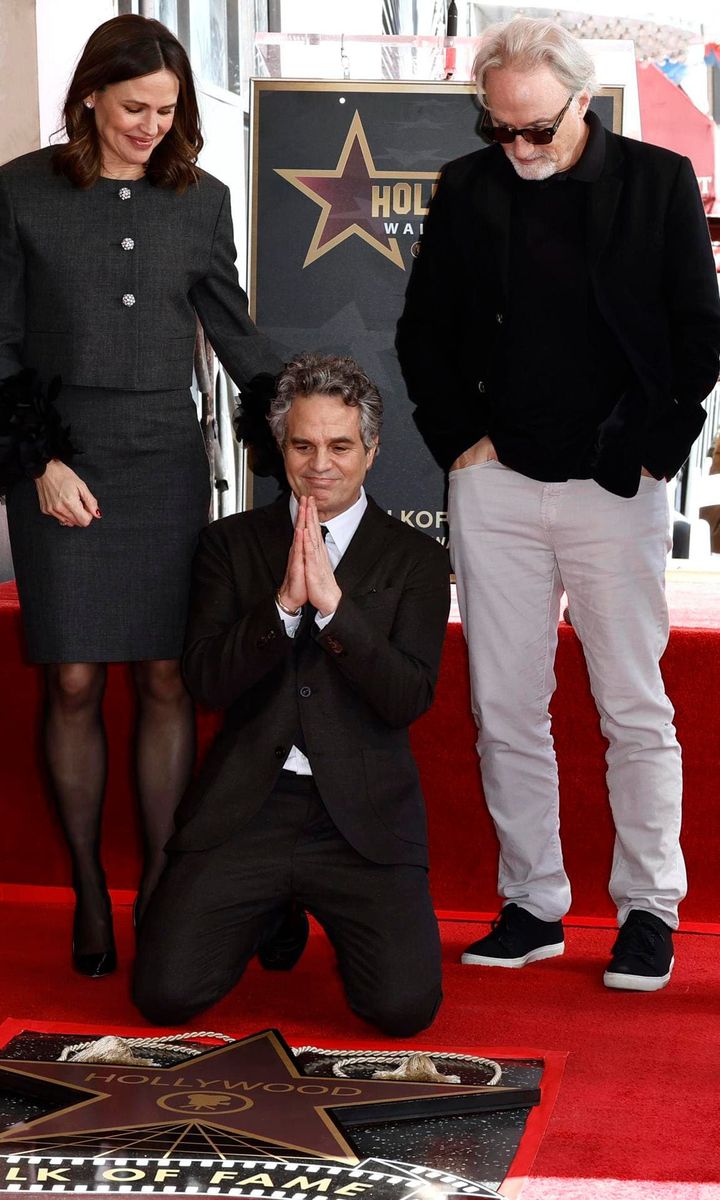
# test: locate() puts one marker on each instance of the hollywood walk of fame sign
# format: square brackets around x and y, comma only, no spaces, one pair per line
[252,1119]
[342,176]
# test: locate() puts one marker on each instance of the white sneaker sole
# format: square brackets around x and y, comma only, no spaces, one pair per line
[637,983]
[483,960]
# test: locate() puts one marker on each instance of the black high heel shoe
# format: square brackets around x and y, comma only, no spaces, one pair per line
[95,964]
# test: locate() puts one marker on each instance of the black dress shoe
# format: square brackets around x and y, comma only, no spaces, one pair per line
[95,965]
[284,946]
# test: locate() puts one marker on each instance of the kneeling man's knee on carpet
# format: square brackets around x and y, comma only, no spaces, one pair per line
[168,997]
[399,1016]
[163,1009]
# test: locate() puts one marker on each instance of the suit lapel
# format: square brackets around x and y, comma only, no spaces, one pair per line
[603,201]
[274,532]
[365,548]
[492,201]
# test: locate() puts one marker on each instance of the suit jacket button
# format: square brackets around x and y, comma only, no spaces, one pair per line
[128,243]
[124,193]
[281,752]
[305,692]
[128,299]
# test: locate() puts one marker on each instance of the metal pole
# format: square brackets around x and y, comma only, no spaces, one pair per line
[274,16]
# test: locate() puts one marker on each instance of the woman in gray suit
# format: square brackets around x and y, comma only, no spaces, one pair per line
[109,246]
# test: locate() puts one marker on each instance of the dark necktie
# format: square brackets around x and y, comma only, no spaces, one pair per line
[302,634]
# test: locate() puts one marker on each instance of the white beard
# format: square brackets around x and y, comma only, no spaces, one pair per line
[538,168]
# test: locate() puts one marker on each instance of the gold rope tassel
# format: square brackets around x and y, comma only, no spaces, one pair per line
[108,1050]
[420,1069]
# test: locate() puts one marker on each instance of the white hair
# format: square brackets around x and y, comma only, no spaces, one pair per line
[528,43]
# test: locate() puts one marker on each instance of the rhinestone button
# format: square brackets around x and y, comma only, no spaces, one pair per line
[127,244]
[124,193]
[128,299]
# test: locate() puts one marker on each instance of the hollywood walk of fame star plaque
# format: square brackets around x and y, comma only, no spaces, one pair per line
[251,1119]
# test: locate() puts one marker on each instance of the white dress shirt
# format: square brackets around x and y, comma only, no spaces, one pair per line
[340,532]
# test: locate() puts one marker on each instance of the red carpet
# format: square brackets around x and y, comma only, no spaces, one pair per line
[463,853]
[636,1116]
[638,1099]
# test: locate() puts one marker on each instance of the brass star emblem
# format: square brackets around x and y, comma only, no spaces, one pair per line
[251,1088]
[345,197]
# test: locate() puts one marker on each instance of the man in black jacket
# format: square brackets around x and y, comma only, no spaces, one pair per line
[560,332]
[317,622]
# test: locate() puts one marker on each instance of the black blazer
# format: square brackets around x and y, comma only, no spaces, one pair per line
[352,689]
[654,281]
[68,255]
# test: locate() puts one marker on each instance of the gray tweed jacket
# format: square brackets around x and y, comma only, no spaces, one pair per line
[101,286]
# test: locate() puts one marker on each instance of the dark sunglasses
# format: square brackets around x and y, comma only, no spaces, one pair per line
[505,134]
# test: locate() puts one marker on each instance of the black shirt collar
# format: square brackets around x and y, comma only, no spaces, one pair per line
[590,164]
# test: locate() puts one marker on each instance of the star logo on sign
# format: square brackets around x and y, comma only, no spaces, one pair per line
[250,1088]
[345,197]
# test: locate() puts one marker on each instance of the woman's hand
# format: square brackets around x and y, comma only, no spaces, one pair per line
[63,495]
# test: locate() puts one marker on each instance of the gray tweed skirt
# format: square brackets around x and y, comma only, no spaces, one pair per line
[116,591]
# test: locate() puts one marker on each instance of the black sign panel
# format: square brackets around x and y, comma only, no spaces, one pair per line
[342,177]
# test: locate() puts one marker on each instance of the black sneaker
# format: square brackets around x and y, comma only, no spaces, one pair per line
[517,938]
[642,957]
[284,946]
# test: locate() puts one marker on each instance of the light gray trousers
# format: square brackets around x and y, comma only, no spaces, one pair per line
[516,544]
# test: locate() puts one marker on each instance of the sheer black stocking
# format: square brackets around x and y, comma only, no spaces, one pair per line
[165,751]
[77,761]
[76,752]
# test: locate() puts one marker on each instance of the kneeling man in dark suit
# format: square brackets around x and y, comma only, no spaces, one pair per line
[317,623]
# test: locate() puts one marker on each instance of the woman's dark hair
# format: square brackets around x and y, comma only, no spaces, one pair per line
[125,48]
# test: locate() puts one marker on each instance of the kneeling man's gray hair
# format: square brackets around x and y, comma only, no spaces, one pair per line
[327,375]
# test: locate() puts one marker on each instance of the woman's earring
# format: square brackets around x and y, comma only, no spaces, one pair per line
[89,104]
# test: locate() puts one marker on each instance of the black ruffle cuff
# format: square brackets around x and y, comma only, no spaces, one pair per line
[250,421]
[31,429]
